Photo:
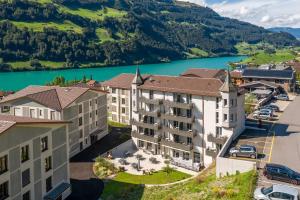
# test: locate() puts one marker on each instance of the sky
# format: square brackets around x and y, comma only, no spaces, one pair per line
[266,13]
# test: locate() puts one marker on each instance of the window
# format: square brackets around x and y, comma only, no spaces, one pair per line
[96,112]
[123,110]
[175,154]
[25,153]
[4,190]
[44,143]
[96,101]
[231,117]
[150,94]
[225,117]
[133,91]
[41,113]
[189,126]
[225,102]
[189,113]
[196,157]
[141,143]
[231,102]
[123,101]
[96,123]
[48,163]
[26,196]
[80,109]
[217,117]
[114,99]
[275,195]
[186,156]
[90,115]
[5,109]
[189,140]
[218,131]
[32,113]
[52,115]
[3,164]
[80,121]
[48,184]
[113,90]
[217,103]
[80,133]
[25,177]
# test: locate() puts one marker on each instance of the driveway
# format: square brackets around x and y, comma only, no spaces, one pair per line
[85,185]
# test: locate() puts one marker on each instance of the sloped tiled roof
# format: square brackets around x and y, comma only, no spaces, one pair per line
[51,96]
[123,81]
[7,121]
[181,84]
[204,73]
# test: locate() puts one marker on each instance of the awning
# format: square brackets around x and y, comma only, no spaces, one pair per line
[55,193]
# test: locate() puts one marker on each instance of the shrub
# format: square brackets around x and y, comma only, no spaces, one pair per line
[168,169]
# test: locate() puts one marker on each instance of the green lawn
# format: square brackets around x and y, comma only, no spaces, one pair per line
[117,124]
[103,35]
[39,26]
[204,187]
[125,182]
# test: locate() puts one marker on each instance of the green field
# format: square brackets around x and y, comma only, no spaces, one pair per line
[94,15]
[277,57]
[39,26]
[244,48]
[26,64]
[103,35]
[204,187]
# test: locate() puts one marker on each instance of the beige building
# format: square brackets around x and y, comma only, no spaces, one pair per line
[188,118]
[86,108]
[33,159]
[119,98]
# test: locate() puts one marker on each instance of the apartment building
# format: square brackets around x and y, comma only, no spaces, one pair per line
[185,118]
[86,108]
[119,98]
[33,159]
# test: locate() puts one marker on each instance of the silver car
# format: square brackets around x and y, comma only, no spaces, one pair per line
[276,192]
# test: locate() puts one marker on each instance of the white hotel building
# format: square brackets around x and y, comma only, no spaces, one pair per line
[185,118]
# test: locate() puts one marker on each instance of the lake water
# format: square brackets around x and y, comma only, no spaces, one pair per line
[19,80]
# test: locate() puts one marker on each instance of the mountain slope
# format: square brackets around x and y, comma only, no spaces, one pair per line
[117,32]
[293,31]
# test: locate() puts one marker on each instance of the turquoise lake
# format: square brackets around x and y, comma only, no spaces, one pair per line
[19,80]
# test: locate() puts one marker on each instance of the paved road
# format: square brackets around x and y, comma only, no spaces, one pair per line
[285,148]
[85,185]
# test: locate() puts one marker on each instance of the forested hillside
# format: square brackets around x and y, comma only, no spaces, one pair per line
[78,33]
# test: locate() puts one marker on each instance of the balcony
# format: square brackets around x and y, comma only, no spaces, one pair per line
[177,131]
[211,152]
[178,104]
[175,145]
[183,119]
[229,124]
[155,126]
[217,139]
[154,113]
[149,138]
[150,101]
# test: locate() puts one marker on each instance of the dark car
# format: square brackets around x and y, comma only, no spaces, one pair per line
[243,151]
[283,97]
[271,107]
[281,173]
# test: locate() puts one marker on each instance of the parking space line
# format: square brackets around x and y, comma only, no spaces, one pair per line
[273,139]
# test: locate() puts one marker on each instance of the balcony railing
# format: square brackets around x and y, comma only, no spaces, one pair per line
[211,152]
[151,101]
[155,126]
[175,145]
[183,119]
[154,113]
[177,131]
[178,104]
[216,139]
[149,138]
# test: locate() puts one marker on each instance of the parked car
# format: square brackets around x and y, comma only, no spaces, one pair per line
[283,97]
[271,107]
[263,114]
[281,173]
[243,151]
[276,192]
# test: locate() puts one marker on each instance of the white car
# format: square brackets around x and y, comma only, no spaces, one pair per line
[276,192]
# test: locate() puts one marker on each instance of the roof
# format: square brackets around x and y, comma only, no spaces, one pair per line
[236,74]
[268,74]
[228,85]
[267,83]
[123,81]
[181,84]
[7,121]
[54,97]
[204,73]
[138,79]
